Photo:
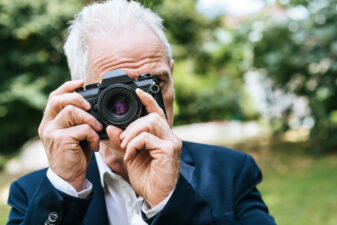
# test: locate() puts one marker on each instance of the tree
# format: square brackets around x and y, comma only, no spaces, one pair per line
[207,76]
[32,63]
[299,55]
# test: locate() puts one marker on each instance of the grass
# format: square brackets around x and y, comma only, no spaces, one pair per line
[299,187]
[5,181]
[4,210]
[303,195]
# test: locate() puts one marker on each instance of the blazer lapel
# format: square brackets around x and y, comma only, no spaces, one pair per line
[187,168]
[97,210]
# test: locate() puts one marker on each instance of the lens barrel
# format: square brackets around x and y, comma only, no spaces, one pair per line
[118,105]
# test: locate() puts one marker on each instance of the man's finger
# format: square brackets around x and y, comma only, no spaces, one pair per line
[114,133]
[151,123]
[58,102]
[143,141]
[67,87]
[150,103]
[71,116]
[84,132]
[114,142]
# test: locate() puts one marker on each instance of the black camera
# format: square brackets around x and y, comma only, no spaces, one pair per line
[114,100]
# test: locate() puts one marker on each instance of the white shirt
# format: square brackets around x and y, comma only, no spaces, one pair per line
[123,205]
[119,197]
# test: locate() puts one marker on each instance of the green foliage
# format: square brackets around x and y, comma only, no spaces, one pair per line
[152,4]
[187,30]
[207,74]
[300,57]
[209,97]
[32,63]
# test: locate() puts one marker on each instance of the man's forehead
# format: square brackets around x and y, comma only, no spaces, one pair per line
[138,51]
[125,42]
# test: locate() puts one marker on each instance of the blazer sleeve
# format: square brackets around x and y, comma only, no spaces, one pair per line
[46,205]
[249,207]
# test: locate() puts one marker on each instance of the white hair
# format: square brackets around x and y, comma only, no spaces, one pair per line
[111,14]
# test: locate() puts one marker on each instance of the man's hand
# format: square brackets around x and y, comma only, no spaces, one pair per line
[64,127]
[152,152]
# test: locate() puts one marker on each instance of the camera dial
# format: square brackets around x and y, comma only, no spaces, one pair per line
[154,88]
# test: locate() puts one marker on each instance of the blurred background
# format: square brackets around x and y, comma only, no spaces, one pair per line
[259,76]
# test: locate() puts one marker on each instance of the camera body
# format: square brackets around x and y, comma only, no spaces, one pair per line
[114,100]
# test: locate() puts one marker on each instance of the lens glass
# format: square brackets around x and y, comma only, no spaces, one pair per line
[119,105]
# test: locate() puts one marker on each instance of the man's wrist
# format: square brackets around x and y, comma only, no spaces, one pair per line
[77,184]
[152,211]
[66,187]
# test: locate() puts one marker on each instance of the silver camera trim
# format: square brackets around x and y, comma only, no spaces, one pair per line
[154,85]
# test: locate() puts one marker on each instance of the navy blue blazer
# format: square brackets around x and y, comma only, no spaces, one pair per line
[216,186]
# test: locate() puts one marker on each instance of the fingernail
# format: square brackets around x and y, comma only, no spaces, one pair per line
[87,105]
[122,136]
[123,143]
[106,129]
[139,91]
[100,126]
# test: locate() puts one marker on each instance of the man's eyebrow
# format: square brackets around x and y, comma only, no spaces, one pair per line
[160,73]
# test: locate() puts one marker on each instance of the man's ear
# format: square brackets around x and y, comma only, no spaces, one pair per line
[171,65]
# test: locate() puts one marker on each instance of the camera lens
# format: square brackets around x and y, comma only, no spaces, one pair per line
[119,105]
